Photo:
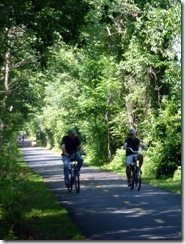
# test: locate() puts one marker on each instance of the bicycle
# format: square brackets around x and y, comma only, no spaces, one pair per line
[135,172]
[74,175]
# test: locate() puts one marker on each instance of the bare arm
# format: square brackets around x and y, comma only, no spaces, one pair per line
[125,145]
[81,149]
[143,146]
[64,149]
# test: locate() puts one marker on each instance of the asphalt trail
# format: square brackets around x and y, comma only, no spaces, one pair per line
[105,208]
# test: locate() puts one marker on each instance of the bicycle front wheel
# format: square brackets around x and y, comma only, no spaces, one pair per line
[70,187]
[77,181]
[132,181]
[138,179]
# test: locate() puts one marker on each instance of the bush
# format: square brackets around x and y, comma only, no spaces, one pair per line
[12,183]
[118,162]
[177,174]
[165,154]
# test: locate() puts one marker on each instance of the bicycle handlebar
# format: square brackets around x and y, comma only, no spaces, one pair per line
[73,154]
[144,148]
[132,150]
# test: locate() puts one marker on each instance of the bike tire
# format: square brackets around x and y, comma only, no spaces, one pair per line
[77,181]
[70,188]
[138,180]
[132,181]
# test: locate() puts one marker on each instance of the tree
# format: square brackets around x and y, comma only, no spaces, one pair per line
[27,29]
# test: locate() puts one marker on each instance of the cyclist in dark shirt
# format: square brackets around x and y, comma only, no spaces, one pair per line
[133,142]
[71,144]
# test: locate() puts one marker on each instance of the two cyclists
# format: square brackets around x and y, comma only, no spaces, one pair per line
[71,145]
[132,141]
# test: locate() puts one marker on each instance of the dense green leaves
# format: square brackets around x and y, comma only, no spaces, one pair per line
[100,67]
[27,29]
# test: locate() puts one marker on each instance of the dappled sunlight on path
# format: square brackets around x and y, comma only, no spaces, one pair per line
[105,208]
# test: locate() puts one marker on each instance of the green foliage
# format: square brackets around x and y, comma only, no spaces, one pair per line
[167,184]
[96,66]
[28,211]
[117,164]
[99,67]
[165,152]
[170,135]
[177,174]
[12,183]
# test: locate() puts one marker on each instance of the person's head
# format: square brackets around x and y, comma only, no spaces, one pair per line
[71,133]
[132,133]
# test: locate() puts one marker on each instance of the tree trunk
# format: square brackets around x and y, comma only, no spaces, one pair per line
[130,113]
[6,92]
[109,151]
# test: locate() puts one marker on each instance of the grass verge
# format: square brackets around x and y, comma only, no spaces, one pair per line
[167,184]
[28,210]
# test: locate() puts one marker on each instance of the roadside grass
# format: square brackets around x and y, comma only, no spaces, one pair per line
[28,210]
[168,184]
[43,216]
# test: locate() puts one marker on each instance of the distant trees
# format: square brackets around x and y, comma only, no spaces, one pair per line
[100,67]
[27,29]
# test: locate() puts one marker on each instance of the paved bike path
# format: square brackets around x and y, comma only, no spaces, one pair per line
[105,208]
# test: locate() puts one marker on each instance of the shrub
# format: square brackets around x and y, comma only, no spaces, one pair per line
[177,174]
[118,162]
[12,183]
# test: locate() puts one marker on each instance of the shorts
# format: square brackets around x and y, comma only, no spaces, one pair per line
[129,158]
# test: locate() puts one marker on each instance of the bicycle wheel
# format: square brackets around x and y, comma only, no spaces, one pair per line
[70,187]
[77,181]
[132,180]
[138,179]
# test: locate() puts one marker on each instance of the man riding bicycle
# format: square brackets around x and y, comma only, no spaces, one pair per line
[71,145]
[133,142]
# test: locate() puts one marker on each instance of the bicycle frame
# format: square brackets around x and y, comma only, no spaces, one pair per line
[135,176]
[135,173]
[74,177]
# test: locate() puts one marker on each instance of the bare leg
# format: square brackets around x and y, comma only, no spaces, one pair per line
[140,160]
[128,173]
